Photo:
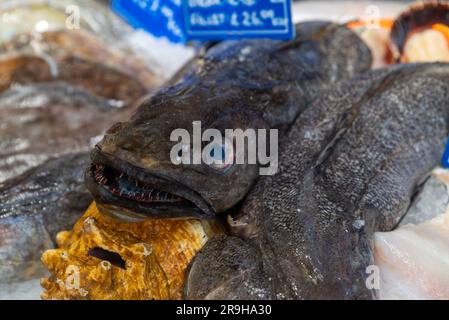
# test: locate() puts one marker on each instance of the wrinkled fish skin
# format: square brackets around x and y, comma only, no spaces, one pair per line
[240,84]
[46,120]
[350,168]
[33,208]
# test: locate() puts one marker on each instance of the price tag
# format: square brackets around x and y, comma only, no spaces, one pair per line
[183,20]
[236,19]
[161,18]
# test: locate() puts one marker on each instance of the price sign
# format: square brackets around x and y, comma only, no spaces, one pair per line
[236,19]
[183,20]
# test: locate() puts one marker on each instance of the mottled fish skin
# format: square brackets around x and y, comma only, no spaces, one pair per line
[256,84]
[43,121]
[33,208]
[350,168]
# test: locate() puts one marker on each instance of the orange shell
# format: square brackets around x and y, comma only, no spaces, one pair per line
[444,29]
[102,258]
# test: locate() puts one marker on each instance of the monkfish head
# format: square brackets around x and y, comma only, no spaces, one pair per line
[144,169]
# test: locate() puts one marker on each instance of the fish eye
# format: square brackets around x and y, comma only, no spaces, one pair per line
[220,156]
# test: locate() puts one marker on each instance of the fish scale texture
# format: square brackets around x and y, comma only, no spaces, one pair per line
[349,167]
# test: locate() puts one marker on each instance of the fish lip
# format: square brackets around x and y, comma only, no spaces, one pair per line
[199,208]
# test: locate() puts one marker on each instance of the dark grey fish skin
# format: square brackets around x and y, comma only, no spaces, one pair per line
[34,207]
[250,84]
[350,168]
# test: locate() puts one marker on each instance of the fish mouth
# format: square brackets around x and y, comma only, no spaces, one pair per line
[132,194]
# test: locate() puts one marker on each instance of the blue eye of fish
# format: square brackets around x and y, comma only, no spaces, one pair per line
[223,156]
[218,153]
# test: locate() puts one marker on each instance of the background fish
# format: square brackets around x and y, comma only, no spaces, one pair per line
[57,56]
[47,120]
[34,16]
[350,167]
[33,208]
[29,21]
[245,84]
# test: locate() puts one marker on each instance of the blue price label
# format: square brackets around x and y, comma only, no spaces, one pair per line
[236,19]
[161,18]
[183,20]
[445,159]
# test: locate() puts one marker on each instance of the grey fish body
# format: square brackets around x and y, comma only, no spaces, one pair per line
[47,120]
[350,167]
[249,84]
[34,207]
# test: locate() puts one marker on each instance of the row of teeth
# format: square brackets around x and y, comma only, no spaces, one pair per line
[99,174]
[150,194]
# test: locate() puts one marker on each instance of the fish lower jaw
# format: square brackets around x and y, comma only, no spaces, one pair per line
[116,188]
[121,185]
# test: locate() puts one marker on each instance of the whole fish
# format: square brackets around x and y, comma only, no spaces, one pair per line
[248,84]
[46,120]
[33,208]
[351,166]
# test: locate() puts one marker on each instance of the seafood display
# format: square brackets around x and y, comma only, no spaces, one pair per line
[25,22]
[105,192]
[119,260]
[132,170]
[350,167]
[57,99]
[35,16]
[34,54]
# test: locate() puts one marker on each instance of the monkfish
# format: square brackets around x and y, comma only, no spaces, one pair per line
[351,165]
[248,84]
